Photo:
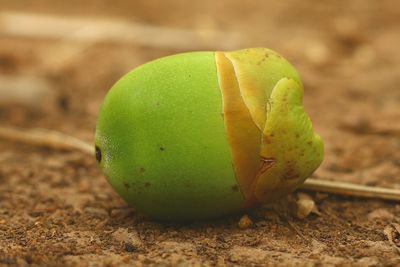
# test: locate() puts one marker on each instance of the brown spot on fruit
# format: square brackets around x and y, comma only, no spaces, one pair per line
[126,185]
[235,188]
[291,175]
[142,170]
[266,139]
[162,148]
[147,184]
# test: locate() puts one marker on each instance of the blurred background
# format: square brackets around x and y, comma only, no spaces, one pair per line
[58,59]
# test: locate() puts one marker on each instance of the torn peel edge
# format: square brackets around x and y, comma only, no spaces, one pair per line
[266,164]
[244,137]
[249,97]
[257,70]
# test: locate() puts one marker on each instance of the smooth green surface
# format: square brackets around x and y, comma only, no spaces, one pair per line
[163,141]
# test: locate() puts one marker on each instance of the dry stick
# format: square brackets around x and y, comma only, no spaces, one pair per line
[28,90]
[57,140]
[342,188]
[94,29]
[76,34]
[45,138]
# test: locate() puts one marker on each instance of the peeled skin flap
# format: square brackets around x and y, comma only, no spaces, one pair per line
[243,134]
[272,142]
[257,71]
[288,142]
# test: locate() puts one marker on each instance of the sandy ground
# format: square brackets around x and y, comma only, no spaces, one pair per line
[56,208]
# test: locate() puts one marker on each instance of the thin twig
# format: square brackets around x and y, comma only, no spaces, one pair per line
[342,188]
[45,138]
[95,29]
[27,90]
[57,140]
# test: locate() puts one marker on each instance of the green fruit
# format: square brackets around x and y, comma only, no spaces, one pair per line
[205,134]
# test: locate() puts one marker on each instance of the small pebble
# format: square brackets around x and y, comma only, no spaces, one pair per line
[128,247]
[380,214]
[245,222]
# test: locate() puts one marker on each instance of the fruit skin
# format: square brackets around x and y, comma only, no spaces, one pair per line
[163,142]
[204,134]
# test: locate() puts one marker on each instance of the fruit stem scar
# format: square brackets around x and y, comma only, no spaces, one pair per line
[236,77]
[98,154]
